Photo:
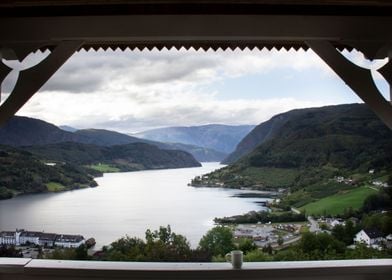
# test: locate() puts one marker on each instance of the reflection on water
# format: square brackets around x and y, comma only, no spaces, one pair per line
[128,203]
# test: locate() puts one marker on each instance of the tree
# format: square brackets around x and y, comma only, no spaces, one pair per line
[280,241]
[81,253]
[160,245]
[246,245]
[10,252]
[217,241]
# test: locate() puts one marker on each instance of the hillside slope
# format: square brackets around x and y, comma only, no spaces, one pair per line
[311,123]
[71,165]
[308,149]
[22,172]
[23,131]
[129,157]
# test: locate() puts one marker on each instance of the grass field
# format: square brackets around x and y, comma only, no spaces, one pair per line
[105,168]
[337,203]
[55,187]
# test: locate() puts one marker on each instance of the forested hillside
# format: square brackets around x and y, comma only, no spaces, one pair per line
[22,172]
[309,150]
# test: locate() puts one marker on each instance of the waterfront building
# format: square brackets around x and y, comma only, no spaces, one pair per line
[47,239]
[22,237]
[29,237]
[7,238]
[69,241]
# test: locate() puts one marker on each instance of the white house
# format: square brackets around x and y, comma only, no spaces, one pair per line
[8,238]
[369,237]
[47,239]
[29,237]
[336,222]
[69,241]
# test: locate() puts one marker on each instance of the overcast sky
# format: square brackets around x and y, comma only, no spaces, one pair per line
[132,91]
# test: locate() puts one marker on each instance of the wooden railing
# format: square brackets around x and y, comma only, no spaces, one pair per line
[14,269]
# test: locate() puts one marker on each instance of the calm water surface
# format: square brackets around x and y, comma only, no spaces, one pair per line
[128,203]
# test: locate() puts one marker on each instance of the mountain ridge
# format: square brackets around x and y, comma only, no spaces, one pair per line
[219,137]
[25,131]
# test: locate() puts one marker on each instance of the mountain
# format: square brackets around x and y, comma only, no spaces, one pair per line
[329,120]
[223,138]
[261,133]
[344,136]
[128,157]
[23,131]
[22,172]
[110,138]
[306,151]
[71,165]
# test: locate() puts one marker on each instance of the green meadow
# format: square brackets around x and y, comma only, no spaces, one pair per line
[338,203]
[104,168]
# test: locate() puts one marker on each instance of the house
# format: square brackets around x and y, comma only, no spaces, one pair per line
[29,237]
[369,237]
[336,222]
[69,241]
[47,239]
[8,238]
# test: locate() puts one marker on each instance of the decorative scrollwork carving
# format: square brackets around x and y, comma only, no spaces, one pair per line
[360,80]
[32,79]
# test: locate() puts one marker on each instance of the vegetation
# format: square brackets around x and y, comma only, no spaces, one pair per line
[164,245]
[346,233]
[10,252]
[104,168]
[79,253]
[218,241]
[262,217]
[381,200]
[129,157]
[55,187]
[160,245]
[379,221]
[22,172]
[75,165]
[338,203]
[303,152]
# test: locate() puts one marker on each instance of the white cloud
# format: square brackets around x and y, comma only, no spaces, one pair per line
[131,91]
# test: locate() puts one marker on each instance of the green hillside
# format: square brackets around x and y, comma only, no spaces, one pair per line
[22,172]
[339,202]
[307,152]
[67,166]
[129,157]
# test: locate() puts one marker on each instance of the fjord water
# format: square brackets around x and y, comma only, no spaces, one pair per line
[128,203]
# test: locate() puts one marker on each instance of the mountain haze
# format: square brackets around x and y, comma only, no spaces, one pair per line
[109,138]
[223,138]
[23,131]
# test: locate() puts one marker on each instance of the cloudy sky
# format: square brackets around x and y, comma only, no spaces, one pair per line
[133,91]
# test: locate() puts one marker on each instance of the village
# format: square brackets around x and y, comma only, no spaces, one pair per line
[281,235]
[31,242]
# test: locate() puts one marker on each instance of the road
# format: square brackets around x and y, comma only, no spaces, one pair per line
[314,226]
[294,210]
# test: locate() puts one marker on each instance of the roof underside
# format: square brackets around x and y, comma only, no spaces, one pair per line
[59,9]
